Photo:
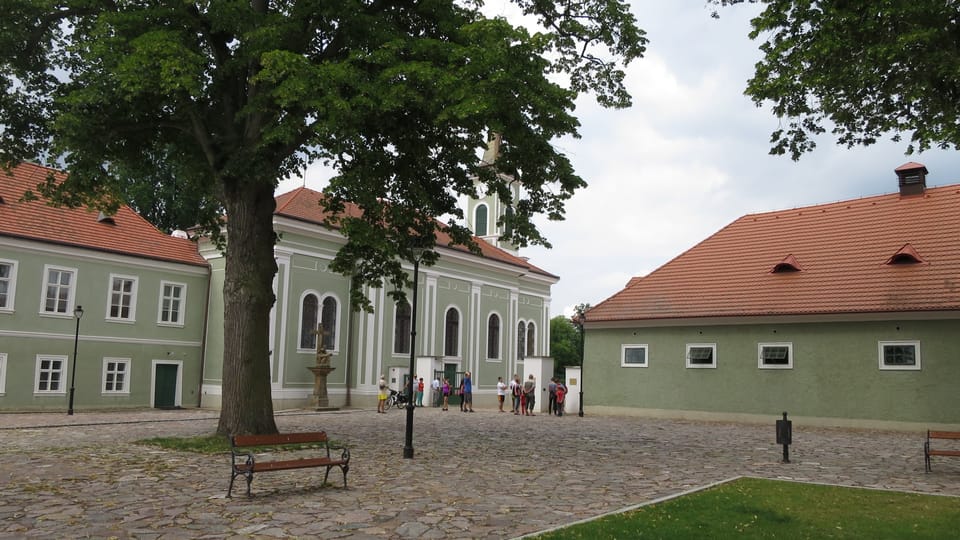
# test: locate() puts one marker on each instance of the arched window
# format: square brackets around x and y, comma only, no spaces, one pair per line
[451,335]
[480,220]
[521,340]
[493,336]
[308,322]
[508,230]
[531,339]
[401,329]
[328,319]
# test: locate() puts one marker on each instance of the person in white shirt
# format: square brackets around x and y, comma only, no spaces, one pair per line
[501,392]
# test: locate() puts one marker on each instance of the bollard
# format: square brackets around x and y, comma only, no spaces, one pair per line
[784,436]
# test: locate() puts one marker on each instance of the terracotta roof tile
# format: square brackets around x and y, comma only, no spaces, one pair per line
[128,233]
[304,204]
[844,248]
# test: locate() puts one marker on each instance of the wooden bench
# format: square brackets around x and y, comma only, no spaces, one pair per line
[927,451]
[243,462]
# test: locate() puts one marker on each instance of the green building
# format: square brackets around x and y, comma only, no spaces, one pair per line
[127,298]
[150,333]
[839,314]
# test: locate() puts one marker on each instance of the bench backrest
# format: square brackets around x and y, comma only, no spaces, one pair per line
[279,438]
[943,434]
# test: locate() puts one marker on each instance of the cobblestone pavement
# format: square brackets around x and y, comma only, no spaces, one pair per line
[480,475]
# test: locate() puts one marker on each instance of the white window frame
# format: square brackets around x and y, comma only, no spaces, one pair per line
[11,286]
[409,340]
[133,298]
[762,365]
[181,313]
[125,390]
[63,371]
[701,345]
[623,355]
[893,367]
[486,344]
[460,324]
[71,291]
[337,330]
[3,374]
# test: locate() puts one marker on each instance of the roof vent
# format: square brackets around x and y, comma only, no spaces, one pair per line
[905,255]
[912,178]
[105,218]
[788,264]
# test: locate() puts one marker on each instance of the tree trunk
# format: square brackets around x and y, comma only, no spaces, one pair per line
[247,406]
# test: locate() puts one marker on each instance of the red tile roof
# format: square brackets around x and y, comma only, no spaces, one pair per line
[842,251]
[304,204]
[129,234]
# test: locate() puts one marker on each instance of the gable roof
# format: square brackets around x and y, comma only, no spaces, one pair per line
[304,204]
[845,248]
[125,233]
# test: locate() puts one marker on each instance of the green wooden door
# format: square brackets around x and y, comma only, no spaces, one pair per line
[165,387]
[450,373]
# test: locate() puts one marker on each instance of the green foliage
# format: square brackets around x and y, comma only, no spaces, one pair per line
[861,70]
[564,343]
[230,97]
[757,508]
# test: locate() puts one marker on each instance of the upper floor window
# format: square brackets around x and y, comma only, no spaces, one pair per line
[521,340]
[701,355]
[59,286]
[122,304]
[328,320]
[173,297]
[451,335]
[309,316]
[116,375]
[775,355]
[401,329]
[8,284]
[49,374]
[480,219]
[493,336]
[900,355]
[531,339]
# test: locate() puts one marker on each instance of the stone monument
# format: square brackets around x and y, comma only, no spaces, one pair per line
[320,371]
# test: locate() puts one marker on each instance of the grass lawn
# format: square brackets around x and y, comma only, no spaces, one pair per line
[758,508]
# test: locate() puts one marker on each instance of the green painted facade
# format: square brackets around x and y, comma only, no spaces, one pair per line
[835,376]
[142,343]
[364,344]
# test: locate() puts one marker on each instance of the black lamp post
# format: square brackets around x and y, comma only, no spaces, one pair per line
[581,318]
[408,441]
[78,313]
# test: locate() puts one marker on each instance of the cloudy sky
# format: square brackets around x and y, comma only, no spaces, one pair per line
[689,157]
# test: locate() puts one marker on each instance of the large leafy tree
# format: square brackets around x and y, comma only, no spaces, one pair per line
[564,343]
[862,70]
[397,95]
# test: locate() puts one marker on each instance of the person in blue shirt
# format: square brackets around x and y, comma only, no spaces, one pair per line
[467,393]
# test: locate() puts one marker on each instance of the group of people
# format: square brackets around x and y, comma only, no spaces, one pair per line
[523,394]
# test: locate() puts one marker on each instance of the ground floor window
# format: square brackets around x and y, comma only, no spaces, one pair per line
[116,375]
[701,355]
[49,375]
[633,356]
[775,355]
[899,355]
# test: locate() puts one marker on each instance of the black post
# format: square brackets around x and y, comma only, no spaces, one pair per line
[78,313]
[583,336]
[785,436]
[408,443]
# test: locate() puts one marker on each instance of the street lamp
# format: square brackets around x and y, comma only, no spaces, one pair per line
[78,314]
[408,441]
[581,318]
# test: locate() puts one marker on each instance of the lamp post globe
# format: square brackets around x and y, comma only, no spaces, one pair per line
[78,314]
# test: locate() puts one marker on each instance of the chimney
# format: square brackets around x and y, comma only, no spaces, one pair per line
[912,178]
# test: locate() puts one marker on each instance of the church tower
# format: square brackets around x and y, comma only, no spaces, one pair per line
[483,213]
